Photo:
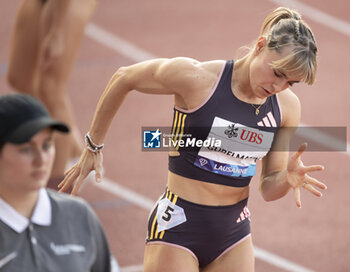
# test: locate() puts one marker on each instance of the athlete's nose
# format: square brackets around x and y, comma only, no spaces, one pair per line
[279,85]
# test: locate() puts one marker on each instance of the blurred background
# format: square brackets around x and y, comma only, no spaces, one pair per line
[122,32]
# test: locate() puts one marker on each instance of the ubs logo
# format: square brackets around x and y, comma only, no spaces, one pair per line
[244,134]
[232,131]
[251,136]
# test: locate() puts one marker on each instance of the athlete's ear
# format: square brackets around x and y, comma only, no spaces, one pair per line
[261,43]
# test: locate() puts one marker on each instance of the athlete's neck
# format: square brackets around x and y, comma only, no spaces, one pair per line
[240,82]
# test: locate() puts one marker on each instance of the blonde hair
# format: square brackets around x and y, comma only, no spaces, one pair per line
[284,27]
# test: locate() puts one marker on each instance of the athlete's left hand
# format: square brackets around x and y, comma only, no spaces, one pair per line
[297,176]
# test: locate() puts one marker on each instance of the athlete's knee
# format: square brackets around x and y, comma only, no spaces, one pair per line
[12,80]
[51,91]
[18,84]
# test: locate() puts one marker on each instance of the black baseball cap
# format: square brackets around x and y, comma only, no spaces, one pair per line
[22,116]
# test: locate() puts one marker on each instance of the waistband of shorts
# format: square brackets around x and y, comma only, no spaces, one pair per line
[176,199]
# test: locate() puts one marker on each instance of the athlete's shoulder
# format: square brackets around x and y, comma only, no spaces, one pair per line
[185,64]
[184,74]
[290,107]
[288,97]
[214,66]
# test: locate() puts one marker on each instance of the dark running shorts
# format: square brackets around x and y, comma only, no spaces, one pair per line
[207,232]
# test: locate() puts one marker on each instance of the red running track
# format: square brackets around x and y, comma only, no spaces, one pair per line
[315,237]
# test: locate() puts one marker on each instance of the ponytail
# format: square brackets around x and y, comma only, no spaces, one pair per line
[284,27]
[275,16]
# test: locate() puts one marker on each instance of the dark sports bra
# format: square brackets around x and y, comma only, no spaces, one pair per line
[221,140]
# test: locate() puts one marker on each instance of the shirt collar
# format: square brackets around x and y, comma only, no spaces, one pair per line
[41,214]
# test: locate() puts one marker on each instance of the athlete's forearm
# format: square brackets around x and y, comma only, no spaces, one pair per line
[108,105]
[274,186]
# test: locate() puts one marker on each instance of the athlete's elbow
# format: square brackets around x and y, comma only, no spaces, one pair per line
[271,195]
[267,197]
[121,79]
[120,75]
[15,82]
[267,194]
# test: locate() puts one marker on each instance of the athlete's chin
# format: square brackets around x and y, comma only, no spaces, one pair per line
[261,95]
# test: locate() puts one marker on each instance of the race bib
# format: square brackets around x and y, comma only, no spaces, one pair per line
[169,215]
[241,146]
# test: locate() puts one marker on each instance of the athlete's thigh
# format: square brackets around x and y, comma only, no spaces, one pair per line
[24,44]
[160,258]
[239,258]
[76,19]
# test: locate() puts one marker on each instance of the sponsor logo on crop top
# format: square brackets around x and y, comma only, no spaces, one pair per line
[240,147]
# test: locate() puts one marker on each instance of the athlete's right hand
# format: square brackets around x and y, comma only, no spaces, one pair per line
[88,162]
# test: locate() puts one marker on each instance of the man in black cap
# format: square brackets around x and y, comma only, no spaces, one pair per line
[41,229]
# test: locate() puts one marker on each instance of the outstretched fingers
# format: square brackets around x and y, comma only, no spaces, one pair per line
[68,180]
[297,196]
[77,184]
[310,184]
[300,151]
[98,168]
[313,168]
[313,190]
[315,182]
[70,170]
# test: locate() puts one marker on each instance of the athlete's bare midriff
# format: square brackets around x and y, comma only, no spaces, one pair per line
[204,192]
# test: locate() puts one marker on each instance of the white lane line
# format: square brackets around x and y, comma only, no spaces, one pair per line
[116,43]
[125,193]
[147,204]
[278,261]
[318,136]
[132,268]
[317,15]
